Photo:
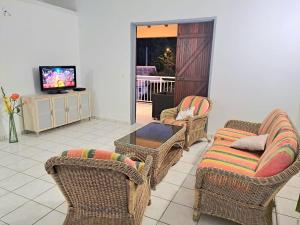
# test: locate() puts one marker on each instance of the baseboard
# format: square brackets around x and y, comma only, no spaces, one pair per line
[110,120]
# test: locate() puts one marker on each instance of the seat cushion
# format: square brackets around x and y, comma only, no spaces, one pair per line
[222,157]
[104,155]
[279,155]
[231,134]
[268,122]
[173,121]
[201,104]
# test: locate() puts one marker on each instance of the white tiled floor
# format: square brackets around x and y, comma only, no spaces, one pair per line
[29,196]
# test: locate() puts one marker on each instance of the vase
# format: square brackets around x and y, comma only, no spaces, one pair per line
[13,136]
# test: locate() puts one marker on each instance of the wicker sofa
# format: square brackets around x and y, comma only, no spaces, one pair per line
[196,125]
[241,185]
[101,191]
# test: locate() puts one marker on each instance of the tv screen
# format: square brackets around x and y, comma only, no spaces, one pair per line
[57,77]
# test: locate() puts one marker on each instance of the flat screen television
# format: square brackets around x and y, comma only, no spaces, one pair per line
[57,79]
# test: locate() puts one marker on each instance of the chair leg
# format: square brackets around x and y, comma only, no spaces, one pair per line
[196,215]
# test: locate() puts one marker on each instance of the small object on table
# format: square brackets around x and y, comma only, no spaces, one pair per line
[163,142]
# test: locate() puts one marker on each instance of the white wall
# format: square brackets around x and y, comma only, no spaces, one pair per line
[256,53]
[36,34]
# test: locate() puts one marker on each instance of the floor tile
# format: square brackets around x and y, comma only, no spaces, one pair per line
[189,182]
[294,182]
[3,192]
[26,214]
[289,192]
[175,177]
[178,215]
[5,172]
[34,189]
[47,178]
[165,190]
[184,197]
[63,208]
[53,218]
[2,223]
[182,167]
[157,208]
[22,165]
[51,198]
[149,221]
[10,202]
[36,171]
[189,157]
[212,220]
[43,156]
[284,220]
[286,207]
[15,181]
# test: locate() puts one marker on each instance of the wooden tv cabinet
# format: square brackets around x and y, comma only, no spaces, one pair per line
[46,111]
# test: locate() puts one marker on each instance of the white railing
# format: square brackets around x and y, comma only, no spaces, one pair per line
[148,85]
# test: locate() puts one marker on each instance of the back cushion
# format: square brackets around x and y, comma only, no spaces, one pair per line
[280,124]
[201,104]
[268,121]
[104,155]
[279,154]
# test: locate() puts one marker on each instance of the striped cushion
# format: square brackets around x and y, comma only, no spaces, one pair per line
[173,121]
[220,156]
[280,124]
[104,155]
[266,125]
[279,155]
[201,104]
[231,134]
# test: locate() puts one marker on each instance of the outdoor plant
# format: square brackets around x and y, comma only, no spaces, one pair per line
[166,63]
[12,107]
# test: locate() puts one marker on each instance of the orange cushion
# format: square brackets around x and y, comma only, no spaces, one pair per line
[231,134]
[173,121]
[279,155]
[201,104]
[267,123]
[222,157]
[104,155]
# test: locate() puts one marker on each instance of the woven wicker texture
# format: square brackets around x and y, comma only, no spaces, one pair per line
[164,157]
[240,198]
[101,192]
[195,126]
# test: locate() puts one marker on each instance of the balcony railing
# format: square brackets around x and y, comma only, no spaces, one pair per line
[148,85]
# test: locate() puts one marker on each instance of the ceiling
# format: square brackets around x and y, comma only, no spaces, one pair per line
[67,4]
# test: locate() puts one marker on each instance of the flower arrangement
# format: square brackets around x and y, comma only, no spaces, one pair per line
[12,107]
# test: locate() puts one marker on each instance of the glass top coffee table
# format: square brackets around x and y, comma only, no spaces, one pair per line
[163,142]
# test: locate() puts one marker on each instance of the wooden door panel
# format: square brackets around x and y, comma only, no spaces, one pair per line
[193,55]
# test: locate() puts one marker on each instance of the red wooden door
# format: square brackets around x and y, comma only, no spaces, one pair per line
[193,55]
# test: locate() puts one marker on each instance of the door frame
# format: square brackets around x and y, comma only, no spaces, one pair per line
[133,26]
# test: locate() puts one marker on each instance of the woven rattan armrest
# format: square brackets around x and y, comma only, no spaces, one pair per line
[243,125]
[167,113]
[131,172]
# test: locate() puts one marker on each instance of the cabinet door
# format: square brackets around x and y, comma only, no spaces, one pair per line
[73,108]
[44,114]
[85,107]
[59,111]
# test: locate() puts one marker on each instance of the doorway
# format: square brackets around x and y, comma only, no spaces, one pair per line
[170,62]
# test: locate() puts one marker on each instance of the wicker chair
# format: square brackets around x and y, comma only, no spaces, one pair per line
[195,126]
[240,198]
[101,192]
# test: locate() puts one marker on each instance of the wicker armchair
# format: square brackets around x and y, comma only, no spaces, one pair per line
[101,192]
[195,126]
[243,199]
